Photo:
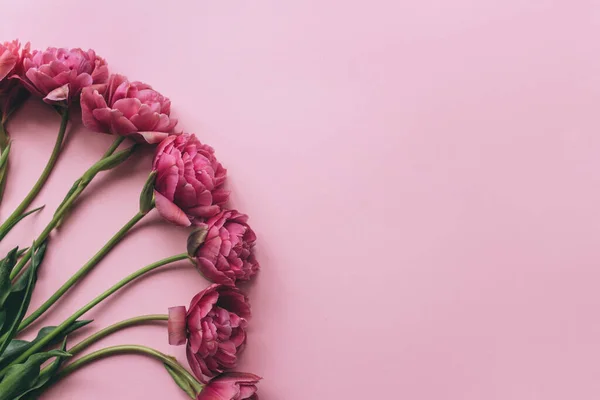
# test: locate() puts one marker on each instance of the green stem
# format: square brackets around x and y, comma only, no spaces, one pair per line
[61,212]
[79,347]
[129,349]
[4,140]
[59,329]
[83,271]
[82,184]
[35,190]
[114,146]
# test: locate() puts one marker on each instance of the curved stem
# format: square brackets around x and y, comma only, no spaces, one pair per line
[81,184]
[129,349]
[59,329]
[35,190]
[83,271]
[85,343]
[60,213]
[114,146]
[4,141]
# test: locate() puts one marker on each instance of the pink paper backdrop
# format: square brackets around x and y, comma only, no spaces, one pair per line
[424,177]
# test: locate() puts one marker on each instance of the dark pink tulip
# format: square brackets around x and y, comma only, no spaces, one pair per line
[189,180]
[125,108]
[215,328]
[59,75]
[227,253]
[231,386]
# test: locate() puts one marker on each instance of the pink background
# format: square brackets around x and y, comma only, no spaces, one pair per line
[424,178]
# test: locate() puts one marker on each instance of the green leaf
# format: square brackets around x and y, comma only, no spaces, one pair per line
[182,382]
[4,155]
[6,266]
[147,195]
[107,163]
[45,376]
[195,240]
[71,191]
[17,220]
[20,378]
[17,347]
[22,251]
[2,318]
[19,298]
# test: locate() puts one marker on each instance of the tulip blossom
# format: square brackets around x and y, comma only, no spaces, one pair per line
[215,329]
[189,180]
[231,386]
[226,252]
[125,108]
[12,93]
[58,75]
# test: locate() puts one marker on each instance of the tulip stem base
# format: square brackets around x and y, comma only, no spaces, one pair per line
[37,187]
[131,349]
[62,327]
[83,271]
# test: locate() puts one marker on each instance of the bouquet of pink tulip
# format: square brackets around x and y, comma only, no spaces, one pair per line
[185,185]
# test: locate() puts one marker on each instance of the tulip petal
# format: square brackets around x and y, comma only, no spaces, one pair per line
[129,107]
[170,211]
[177,325]
[204,211]
[145,119]
[153,137]
[220,196]
[57,95]
[209,271]
[8,60]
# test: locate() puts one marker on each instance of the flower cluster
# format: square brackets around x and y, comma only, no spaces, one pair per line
[186,185]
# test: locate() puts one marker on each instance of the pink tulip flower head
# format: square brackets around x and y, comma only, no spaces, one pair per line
[231,386]
[189,180]
[223,248]
[10,57]
[12,93]
[125,108]
[59,75]
[215,329]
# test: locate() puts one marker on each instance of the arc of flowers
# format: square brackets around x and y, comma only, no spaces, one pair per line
[185,185]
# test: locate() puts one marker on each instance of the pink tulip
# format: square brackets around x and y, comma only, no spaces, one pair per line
[11,64]
[215,328]
[10,56]
[189,180]
[231,386]
[227,252]
[131,109]
[59,75]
